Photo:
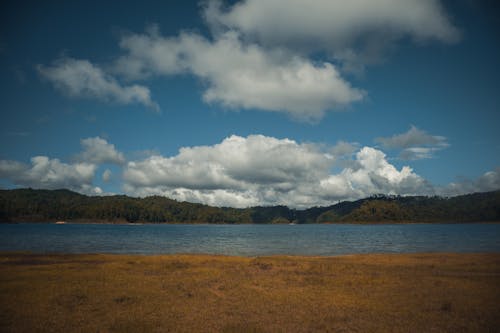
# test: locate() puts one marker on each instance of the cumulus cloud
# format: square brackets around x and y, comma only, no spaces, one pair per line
[106,175]
[81,78]
[47,173]
[353,31]
[414,144]
[239,75]
[232,164]
[376,175]
[413,138]
[260,170]
[242,172]
[332,22]
[343,148]
[259,54]
[489,181]
[372,174]
[97,151]
[342,152]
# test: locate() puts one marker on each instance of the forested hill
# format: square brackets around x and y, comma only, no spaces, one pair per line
[28,205]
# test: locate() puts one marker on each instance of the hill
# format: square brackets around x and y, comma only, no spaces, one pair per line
[29,205]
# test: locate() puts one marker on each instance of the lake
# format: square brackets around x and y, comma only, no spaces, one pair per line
[249,240]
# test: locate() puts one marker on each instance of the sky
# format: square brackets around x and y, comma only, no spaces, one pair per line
[251,102]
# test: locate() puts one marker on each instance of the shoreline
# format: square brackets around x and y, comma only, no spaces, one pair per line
[166,256]
[119,222]
[419,292]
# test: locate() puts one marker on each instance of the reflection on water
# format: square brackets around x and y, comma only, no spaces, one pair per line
[250,240]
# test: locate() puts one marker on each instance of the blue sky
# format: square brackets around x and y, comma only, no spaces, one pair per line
[251,102]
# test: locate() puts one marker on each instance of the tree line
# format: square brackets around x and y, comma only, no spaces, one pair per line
[30,205]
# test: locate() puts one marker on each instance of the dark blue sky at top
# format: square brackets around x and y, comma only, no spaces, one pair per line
[449,90]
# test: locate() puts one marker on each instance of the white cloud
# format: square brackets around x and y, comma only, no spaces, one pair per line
[413,138]
[343,148]
[80,78]
[47,173]
[97,151]
[50,174]
[216,197]
[259,54]
[245,171]
[418,153]
[372,174]
[414,144]
[260,170]
[239,75]
[232,164]
[332,21]
[376,175]
[9,169]
[352,31]
[106,175]
[489,181]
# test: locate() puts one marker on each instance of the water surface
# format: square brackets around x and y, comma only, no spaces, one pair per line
[250,240]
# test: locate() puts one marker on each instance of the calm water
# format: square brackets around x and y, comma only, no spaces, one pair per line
[250,240]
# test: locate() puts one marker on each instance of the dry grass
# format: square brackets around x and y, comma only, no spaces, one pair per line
[362,293]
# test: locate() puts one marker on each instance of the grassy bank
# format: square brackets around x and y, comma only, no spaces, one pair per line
[364,293]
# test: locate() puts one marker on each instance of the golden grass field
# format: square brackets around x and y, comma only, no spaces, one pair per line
[202,293]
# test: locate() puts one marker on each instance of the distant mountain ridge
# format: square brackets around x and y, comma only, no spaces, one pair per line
[29,205]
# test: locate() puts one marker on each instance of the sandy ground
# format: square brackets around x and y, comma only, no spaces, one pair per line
[201,293]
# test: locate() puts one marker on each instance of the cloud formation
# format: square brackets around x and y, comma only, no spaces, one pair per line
[242,172]
[353,31]
[343,148]
[414,144]
[489,181]
[234,163]
[263,54]
[106,175]
[50,173]
[238,75]
[97,151]
[80,78]
[47,173]
[331,22]
[260,170]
